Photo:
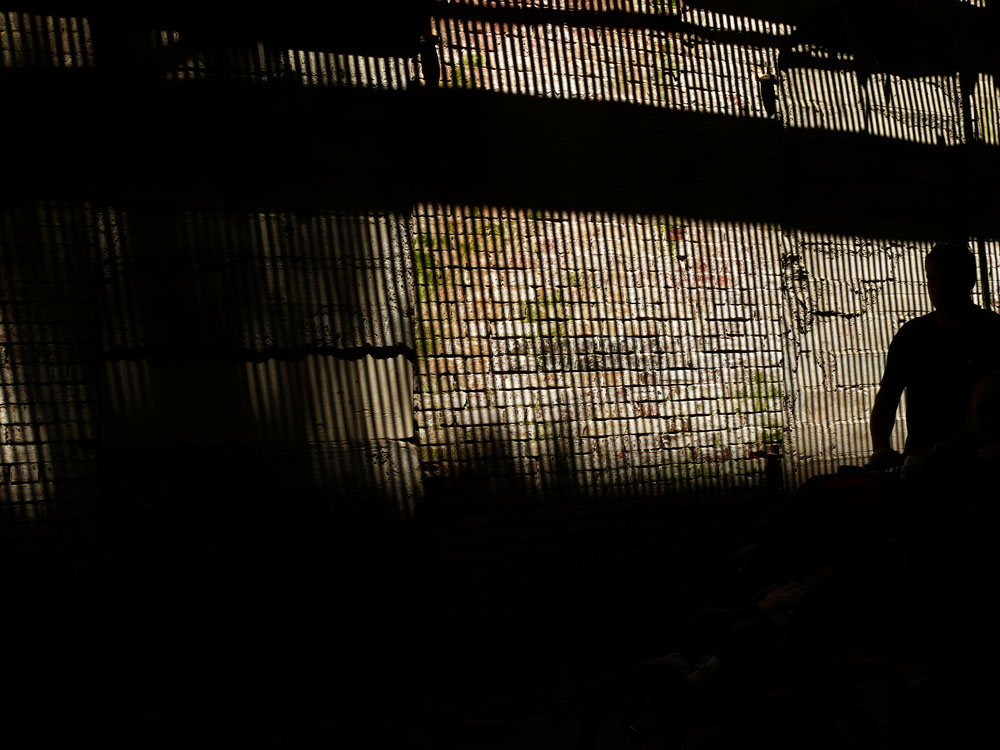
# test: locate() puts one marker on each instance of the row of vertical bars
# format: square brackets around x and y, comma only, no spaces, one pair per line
[638,309]
[28,40]
[321,68]
[48,347]
[634,65]
[612,64]
[262,64]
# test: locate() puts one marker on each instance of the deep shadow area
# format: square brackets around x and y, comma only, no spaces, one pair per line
[398,633]
[282,147]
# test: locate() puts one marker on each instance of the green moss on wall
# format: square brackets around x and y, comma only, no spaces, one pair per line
[760,396]
[463,74]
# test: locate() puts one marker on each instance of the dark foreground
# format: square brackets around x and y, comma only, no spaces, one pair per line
[398,640]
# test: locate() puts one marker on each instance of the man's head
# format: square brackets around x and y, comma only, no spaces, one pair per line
[951,275]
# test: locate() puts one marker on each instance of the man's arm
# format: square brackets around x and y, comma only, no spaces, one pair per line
[883,418]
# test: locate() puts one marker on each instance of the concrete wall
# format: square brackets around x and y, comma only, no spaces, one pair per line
[636,354]
[281,337]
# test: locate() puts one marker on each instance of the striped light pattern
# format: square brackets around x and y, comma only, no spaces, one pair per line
[384,356]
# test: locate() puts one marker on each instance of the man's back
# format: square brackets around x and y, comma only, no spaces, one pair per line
[936,359]
[939,368]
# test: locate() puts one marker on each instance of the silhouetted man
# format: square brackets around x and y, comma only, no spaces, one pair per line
[937,359]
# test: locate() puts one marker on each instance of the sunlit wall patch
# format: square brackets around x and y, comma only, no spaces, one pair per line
[985,109]
[625,353]
[319,68]
[29,40]
[658,54]
[283,334]
[49,401]
[179,59]
[595,352]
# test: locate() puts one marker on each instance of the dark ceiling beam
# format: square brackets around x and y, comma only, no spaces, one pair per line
[279,146]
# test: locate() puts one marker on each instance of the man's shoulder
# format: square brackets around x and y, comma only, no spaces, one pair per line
[916,327]
[986,332]
[987,318]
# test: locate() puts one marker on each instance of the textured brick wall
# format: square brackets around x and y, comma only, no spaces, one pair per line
[638,65]
[50,295]
[656,352]
[275,336]
[635,354]
[29,40]
[163,371]
[845,299]
[163,368]
[49,404]
[506,351]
